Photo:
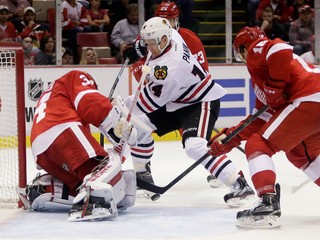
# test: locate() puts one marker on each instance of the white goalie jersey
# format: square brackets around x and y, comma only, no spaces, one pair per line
[176,80]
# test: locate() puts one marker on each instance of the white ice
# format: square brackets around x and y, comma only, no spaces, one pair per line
[189,210]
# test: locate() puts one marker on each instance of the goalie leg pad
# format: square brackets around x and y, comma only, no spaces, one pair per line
[101,191]
[46,193]
[130,194]
[107,175]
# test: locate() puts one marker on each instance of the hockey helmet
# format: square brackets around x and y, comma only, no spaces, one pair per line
[170,11]
[155,28]
[244,38]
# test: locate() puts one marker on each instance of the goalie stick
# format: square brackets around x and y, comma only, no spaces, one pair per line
[161,190]
[112,91]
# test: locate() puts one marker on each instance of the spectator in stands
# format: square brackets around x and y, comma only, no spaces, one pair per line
[280,11]
[73,21]
[310,55]
[89,56]
[29,27]
[118,9]
[16,7]
[67,56]
[125,31]
[272,28]
[29,51]
[302,30]
[8,32]
[47,55]
[98,19]
[294,6]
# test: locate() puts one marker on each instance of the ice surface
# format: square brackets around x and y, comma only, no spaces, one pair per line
[189,210]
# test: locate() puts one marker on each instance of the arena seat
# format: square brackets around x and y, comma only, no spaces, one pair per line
[109,60]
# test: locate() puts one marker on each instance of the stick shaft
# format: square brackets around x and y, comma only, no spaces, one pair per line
[245,124]
[156,189]
[112,91]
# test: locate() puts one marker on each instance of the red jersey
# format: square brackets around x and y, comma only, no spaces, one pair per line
[195,45]
[9,33]
[274,61]
[70,100]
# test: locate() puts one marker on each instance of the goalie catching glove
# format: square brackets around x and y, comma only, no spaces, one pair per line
[217,148]
[115,123]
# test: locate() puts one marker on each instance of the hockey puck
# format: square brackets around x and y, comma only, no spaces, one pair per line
[155,197]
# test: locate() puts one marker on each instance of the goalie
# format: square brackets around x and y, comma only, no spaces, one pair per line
[82,177]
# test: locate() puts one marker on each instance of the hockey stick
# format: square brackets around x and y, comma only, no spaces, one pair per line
[245,124]
[238,147]
[145,71]
[156,189]
[112,91]
[301,185]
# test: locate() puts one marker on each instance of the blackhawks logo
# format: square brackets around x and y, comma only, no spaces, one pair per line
[35,89]
[160,72]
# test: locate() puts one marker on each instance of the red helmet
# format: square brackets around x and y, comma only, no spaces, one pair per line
[167,10]
[245,37]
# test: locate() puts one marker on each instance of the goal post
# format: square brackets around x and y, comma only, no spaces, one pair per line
[12,124]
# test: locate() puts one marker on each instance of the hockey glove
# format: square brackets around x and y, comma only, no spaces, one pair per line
[275,97]
[126,131]
[134,51]
[117,124]
[217,148]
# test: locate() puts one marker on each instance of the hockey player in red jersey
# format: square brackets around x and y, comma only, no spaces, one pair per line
[290,87]
[81,175]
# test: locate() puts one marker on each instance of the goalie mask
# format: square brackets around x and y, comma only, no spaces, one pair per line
[170,11]
[245,37]
[156,28]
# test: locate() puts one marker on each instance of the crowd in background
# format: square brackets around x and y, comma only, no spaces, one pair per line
[290,20]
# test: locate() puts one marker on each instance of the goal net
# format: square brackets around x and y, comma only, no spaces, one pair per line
[12,124]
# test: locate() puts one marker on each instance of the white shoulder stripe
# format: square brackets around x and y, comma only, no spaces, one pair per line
[278,47]
[81,94]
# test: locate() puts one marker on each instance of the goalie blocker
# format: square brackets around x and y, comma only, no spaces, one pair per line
[103,192]
[141,129]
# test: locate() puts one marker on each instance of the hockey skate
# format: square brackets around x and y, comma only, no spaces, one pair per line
[240,193]
[94,210]
[264,215]
[147,177]
[214,182]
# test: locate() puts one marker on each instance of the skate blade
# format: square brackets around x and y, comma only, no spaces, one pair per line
[102,214]
[240,201]
[258,222]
